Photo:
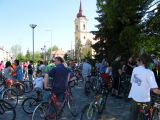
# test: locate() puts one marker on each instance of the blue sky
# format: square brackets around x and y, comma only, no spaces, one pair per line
[56,15]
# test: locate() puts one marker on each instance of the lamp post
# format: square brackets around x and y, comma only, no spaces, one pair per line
[44,52]
[33,26]
[50,30]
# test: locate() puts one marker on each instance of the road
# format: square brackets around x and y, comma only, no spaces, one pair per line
[116,109]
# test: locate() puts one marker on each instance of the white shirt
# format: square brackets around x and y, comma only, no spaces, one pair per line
[38,82]
[86,69]
[142,81]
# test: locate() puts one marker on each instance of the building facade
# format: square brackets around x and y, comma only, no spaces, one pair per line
[4,55]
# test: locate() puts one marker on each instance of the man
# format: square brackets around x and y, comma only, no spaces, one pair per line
[86,70]
[60,76]
[143,81]
[116,73]
[30,70]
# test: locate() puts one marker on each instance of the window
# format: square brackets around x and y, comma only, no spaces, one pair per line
[76,27]
[84,37]
[84,27]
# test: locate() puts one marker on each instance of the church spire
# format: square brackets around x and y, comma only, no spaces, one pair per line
[80,13]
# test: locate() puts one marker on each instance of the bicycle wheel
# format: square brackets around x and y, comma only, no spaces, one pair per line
[73,106]
[28,85]
[89,113]
[29,104]
[102,103]
[19,88]
[44,111]
[7,112]
[87,87]
[10,96]
[94,83]
[141,116]
[155,115]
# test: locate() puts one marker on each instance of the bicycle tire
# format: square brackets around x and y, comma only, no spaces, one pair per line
[28,85]
[29,104]
[19,87]
[10,96]
[89,113]
[141,116]
[155,115]
[94,83]
[87,87]
[42,112]
[7,111]
[102,103]
[73,106]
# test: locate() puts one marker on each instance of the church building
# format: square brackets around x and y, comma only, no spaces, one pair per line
[83,38]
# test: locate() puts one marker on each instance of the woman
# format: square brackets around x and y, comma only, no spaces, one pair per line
[8,70]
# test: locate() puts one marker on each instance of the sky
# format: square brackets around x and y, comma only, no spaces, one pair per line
[54,17]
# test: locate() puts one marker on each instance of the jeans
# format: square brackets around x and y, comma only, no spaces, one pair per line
[30,77]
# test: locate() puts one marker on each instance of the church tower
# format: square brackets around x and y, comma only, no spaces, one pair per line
[81,32]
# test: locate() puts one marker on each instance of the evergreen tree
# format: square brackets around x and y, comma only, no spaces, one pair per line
[120,27]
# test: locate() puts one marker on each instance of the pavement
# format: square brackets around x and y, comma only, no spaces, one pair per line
[116,109]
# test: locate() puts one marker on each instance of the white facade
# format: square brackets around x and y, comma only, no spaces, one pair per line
[82,34]
[4,55]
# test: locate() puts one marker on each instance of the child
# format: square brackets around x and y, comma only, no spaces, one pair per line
[38,84]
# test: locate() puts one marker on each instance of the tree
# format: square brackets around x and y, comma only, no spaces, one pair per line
[37,56]
[151,32]
[20,57]
[15,50]
[28,56]
[86,51]
[78,47]
[120,27]
[54,48]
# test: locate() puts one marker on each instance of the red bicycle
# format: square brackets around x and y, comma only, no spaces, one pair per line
[53,109]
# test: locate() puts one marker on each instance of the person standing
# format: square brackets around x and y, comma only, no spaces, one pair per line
[8,70]
[19,71]
[30,70]
[116,73]
[60,75]
[86,70]
[143,81]
[1,66]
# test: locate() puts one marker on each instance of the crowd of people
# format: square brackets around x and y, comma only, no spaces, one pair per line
[143,73]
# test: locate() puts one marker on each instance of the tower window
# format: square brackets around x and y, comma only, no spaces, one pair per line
[84,37]
[84,27]
[76,27]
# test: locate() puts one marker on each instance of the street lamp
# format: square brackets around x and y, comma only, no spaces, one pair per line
[49,30]
[44,52]
[33,26]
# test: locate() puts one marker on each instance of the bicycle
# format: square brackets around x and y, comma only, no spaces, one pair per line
[92,110]
[8,93]
[30,103]
[53,109]
[149,112]
[19,88]
[92,83]
[28,86]
[7,111]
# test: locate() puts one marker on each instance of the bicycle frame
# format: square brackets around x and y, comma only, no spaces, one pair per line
[56,103]
[145,110]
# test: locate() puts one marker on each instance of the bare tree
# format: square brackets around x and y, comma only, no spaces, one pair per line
[15,50]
